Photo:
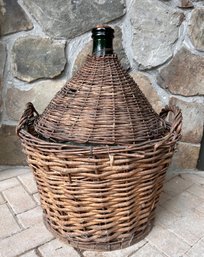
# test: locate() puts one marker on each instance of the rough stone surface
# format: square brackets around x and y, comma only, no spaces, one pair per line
[148,90]
[38,57]
[24,241]
[193,113]
[13,18]
[186,156]
[19,199]
[2,59]
[184,74]
[117,46]
[8,224]
[10,150]
[185,4]
[40,95]
[196,28]
[71,18]
[154,31]
[2,65]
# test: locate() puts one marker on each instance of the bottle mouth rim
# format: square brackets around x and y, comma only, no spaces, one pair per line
[103,30]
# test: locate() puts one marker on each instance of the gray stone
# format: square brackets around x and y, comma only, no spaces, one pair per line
[117,46]
[2,59]
[40,95]
[185,4]
[13,18]
[2,65]
[193,113]
[155,28]
[38,57]
[186,156]
[71,18]
[196,29]
[148,90]
[10,150]
[184,74]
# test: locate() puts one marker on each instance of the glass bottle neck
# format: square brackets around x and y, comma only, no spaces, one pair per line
[102,46]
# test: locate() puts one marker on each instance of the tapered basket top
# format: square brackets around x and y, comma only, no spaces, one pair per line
[100,105]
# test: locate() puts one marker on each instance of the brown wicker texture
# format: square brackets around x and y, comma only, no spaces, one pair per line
[100,105]
[101,197]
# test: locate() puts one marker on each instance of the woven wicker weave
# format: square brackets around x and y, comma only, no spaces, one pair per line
[99,153]
[101,198]
[101,105]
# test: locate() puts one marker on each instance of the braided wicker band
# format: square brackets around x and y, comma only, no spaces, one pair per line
[102,246]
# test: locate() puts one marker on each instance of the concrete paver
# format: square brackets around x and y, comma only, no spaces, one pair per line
[167,242]
[19,199]
[8,183]
[190,227]
[28,181]
[2,200]
[197,250]
[13,172]
[148,251]
[30,217]
[24,241]
[8,224]
[183,203]
[178,229]
[36,198]
[197,190]
[55,248]
[30,254]
[177,185]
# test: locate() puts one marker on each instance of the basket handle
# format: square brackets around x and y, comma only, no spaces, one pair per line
[27,114]
[177,120]
[175,126]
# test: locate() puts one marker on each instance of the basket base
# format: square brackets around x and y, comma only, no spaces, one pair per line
[101,246]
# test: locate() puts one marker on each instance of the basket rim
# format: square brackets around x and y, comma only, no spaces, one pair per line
[27,121]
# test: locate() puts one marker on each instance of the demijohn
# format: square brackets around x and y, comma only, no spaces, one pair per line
[99,153]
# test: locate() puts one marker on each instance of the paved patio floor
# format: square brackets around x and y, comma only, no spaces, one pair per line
[178,230]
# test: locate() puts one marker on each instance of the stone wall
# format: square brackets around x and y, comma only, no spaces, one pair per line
[161,44]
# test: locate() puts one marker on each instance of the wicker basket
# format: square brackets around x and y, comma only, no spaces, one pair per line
[99,153]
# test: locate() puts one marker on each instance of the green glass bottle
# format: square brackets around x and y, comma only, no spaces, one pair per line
[102,40]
